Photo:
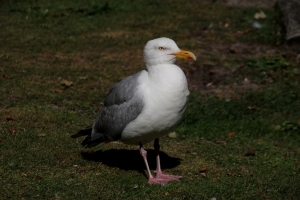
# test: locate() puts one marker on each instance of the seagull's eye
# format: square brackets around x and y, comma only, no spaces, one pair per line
[161,48]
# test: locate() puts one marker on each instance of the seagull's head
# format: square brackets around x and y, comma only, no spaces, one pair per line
[164,51]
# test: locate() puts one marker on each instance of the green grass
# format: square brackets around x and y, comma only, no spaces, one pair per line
[246,138]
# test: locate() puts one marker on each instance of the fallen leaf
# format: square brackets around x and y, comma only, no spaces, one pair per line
[219,95]
[53,106]
[211,84]
[58,91]
[66,83]
[246,81]
[203,170]
[252,108]
[203,174]
[244,32]
[276,127]
[9,118]
[231,174]
[247,30]
[244,170]
[191,88]
[260,15]
[257,25]
[231,134]
[277,144]
[39,177]
[278,42]
[250,153]
[221,142]
[13,131]
[232,50]
[42,135]
[5,76]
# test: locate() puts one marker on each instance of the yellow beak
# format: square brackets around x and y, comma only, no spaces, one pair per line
[185,55]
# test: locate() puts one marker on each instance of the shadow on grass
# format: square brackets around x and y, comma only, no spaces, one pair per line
[130,159]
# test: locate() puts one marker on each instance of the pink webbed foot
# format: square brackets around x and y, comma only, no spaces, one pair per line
[166,177]
[162,178]
[153,180]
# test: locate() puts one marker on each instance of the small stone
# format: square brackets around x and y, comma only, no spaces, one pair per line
[173,135]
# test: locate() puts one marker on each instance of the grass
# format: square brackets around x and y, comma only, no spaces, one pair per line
[242,145]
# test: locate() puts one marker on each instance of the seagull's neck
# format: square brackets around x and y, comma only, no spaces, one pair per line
[161,68]
[167,75]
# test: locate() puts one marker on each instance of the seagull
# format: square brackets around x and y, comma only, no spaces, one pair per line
[145,106]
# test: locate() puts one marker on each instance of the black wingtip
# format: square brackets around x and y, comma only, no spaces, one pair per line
[74,136]
[83,132]
[95,139]
[86,141]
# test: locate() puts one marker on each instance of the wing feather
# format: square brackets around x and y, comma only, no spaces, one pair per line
[122,105]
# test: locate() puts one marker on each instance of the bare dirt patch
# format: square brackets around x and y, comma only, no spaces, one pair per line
[220,78]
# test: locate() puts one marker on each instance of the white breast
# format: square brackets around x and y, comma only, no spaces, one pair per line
[165,93]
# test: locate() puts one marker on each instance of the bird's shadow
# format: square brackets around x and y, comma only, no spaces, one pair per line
[130,159]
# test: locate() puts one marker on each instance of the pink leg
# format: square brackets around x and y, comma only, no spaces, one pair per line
[159,173]
[151,179]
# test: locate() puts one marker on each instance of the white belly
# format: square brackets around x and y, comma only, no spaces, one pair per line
[165,94]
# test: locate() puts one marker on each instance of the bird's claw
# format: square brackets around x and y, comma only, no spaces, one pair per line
[163,179]
[168,177]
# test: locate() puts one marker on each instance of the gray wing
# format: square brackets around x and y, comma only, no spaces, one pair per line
[122,105]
